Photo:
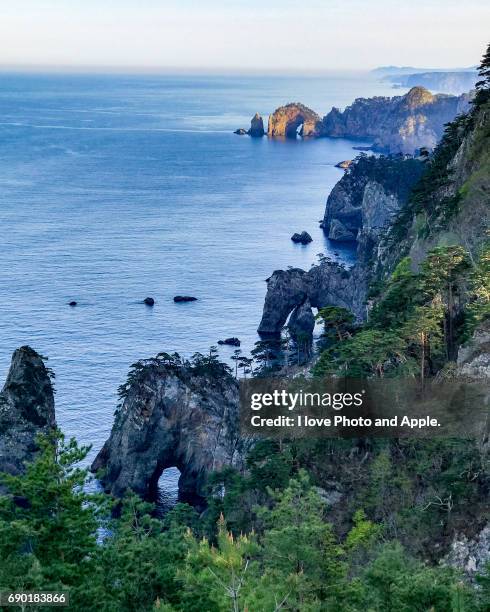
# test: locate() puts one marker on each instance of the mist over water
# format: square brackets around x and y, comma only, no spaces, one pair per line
[114,188]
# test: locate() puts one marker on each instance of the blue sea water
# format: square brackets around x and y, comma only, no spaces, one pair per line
[118,187]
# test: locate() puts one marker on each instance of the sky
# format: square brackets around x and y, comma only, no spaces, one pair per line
[242,35]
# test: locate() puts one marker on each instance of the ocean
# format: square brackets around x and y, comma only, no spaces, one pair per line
[118,187]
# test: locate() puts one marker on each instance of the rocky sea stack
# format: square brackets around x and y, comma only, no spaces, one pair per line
[174,414]
[256,128]
[26,409]
[294,119]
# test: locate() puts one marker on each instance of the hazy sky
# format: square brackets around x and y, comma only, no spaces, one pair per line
[243,34]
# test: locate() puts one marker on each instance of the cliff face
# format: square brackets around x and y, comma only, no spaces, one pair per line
[285,121]
[401,124]
[26,409]
[173,415]
[369,195]
[365,202]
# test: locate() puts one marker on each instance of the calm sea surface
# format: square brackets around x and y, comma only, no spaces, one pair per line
[114,188]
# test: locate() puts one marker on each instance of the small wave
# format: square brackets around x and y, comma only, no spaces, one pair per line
[110,129]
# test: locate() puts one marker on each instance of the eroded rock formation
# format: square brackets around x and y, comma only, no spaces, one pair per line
[368,196]
[302,323]
[256,126]
[327,283]
[173,415]
[285,122]
[362,204]
[401,124]
[26,409]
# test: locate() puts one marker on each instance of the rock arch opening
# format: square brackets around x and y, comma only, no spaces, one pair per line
[168,488]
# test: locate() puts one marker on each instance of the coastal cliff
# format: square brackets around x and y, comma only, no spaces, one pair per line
[394,207]
[401,124]
[26,409]
[368,196]
[174,414]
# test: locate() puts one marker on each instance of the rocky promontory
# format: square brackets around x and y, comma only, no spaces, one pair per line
[26,409]
[401,124]
[174,414]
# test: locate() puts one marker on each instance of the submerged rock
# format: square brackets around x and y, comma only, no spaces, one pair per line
[173,415]
[230,341]
[184,298]
[72,303]
[303,238]
[26,409]
[241,132]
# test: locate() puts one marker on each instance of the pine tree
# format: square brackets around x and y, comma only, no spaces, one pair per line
[483,85]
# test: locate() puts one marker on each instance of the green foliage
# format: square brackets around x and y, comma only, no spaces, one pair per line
[396,581]
[478,309]
[369,353]
[483,85]
[48,522]
[337,322]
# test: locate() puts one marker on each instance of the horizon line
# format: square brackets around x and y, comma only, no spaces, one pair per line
[199,70]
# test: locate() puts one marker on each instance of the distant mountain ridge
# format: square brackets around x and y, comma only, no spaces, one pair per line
[392,70]
[455,82]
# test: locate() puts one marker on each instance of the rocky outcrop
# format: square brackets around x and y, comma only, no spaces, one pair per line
[184,298]
[230,341]
[303,238]
[174,414]
[292,120]
[325,284]
[474,356]
[256,126]
[470,555]
[302,323]
[26,409]
[401,124]
[369,195]
[343,165]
